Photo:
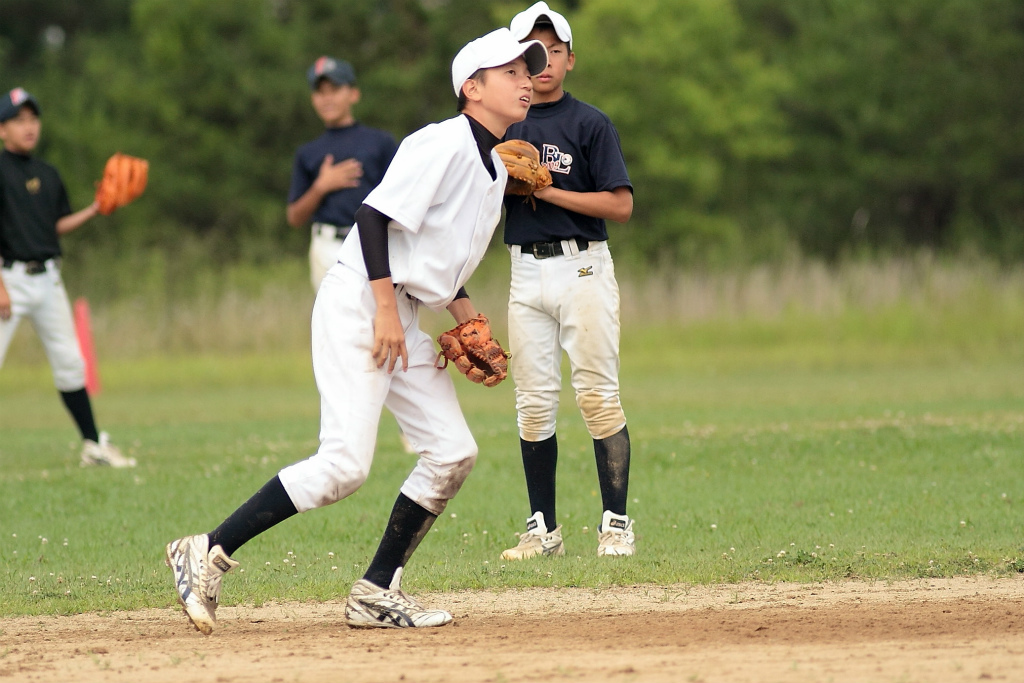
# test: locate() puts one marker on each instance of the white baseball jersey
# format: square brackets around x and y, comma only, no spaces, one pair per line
[444,208]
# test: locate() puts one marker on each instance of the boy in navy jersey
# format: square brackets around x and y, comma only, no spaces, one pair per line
[564,295]
[334,173]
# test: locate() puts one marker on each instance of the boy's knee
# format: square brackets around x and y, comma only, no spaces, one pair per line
[537,414]
[601,412]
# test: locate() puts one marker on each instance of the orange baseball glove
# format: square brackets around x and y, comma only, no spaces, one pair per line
[475,353]
[124,179]
[526,175]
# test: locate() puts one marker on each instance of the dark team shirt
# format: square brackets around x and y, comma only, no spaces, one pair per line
[373,148]
[580,146]
[32,200]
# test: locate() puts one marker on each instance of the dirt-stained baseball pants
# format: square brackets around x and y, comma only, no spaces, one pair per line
[568,302]
[353,391]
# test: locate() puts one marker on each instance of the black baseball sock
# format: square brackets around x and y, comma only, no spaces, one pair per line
[79,406]
[268,506]
[539,461]
[409,523]
[612,455]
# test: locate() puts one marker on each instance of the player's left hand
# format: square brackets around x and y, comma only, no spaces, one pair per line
[389,340]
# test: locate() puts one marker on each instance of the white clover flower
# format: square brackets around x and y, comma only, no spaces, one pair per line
[714,526]
[334,569]
[454,515]
[330,554]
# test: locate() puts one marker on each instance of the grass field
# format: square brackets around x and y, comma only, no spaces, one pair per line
[880,444]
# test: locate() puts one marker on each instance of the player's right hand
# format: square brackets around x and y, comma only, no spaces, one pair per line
[339,176]
[389,340]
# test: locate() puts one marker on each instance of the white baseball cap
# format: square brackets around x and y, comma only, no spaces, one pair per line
[524,22]
[496,49]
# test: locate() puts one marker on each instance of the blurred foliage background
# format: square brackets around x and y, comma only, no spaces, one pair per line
[754,130]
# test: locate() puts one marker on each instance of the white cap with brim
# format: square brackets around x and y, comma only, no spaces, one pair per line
[525,21]
[497,48]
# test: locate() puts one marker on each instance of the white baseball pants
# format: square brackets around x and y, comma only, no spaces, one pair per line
[324,244]
[353,391]
[568,302]
[43,300]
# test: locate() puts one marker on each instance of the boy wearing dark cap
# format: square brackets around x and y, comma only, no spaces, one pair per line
[34,212]
[564,295]
[334,173]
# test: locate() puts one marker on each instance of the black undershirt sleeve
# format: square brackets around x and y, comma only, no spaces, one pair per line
[373,239]
[461,294]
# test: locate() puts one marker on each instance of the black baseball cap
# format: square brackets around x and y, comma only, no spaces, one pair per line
[12,102]
[337,71]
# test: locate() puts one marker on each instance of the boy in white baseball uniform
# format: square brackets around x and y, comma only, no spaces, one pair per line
[34,212]
[564,295]
[418,237]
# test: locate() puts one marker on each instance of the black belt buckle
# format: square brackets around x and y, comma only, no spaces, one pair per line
[542,250]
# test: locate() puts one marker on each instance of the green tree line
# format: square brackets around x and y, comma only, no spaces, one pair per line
[751,127]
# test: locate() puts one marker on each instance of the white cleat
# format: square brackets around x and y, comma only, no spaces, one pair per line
[197,573]
[104,453]
[615,535]
[370,606]
[536,541]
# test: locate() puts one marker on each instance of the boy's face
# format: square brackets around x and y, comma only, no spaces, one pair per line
[21,134]
[504,93]
[333,103]
[547,85]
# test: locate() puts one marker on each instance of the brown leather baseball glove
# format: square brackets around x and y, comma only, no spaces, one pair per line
[474,352]
[526,175]
[124,179]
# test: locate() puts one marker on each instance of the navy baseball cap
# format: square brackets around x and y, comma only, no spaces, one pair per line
[12,102]
[337,71]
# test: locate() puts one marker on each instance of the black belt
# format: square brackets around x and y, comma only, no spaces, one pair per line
[340,231]
[31,267]
[549,249]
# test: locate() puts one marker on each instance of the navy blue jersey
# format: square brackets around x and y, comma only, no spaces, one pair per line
[372,147]
[32,200]
[580,146]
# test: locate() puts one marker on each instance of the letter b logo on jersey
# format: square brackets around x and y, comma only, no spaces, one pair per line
[556,160]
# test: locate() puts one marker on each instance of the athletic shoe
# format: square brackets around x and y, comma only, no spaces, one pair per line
[615,535]
[537,540]
[197,573]
[103,452]
[370,606]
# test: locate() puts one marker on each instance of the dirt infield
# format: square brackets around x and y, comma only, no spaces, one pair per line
[930,630]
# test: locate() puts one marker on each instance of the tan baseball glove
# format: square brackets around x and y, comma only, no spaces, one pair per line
[475,353]
[526,175]
[124,179]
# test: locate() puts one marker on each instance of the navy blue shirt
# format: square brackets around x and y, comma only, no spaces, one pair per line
[372,147]
[580,146]
[32,200]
